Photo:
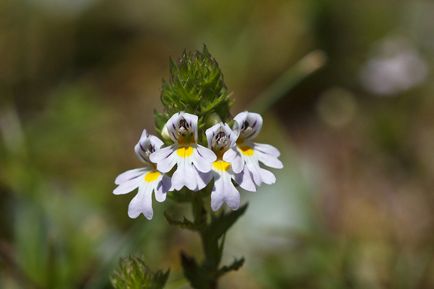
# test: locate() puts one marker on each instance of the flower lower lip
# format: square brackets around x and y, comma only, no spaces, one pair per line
[152,176]
[246,150]
[221,165]
[185,152]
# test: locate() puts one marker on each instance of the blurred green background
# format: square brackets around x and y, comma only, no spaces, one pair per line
[354,205]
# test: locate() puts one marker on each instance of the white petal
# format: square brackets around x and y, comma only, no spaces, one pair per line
[224,191]
[233,199]
[184,175]
[202,164]
[244,179]
[128,175]
[177,179]
[162,153]
[165,165]
[267,176]
[190,177]
[164,158]
[143,147]
[207,154]
[232,196]
[162,188]
[140,146]
[203,179]
[141,203]
[173,122]
[212,131]
[253,166]
[217,195]
[267,149]
[269,160]
[171,126]
[127,186]
[233,157]
[254,121]
[232,135]
[155,141]
[239,119]
[192,120]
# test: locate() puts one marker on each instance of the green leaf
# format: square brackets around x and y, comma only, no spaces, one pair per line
[234,266]
[182,196]
[221,224]
[133,273]
[197,276]
[184,224]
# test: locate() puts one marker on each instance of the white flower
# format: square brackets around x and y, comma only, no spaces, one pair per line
[247,154]
[193,161]
[395,67]
[221,138]
[147,179]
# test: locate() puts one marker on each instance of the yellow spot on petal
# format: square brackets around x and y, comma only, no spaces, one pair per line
[246,150]
[221,165]
[184,152]
[152,176]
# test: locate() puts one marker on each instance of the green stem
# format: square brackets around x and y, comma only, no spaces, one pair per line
[212,230]
[211,248]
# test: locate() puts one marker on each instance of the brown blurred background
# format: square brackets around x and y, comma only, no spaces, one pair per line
[354,205]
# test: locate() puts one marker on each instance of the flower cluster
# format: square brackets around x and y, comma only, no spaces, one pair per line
[231,160]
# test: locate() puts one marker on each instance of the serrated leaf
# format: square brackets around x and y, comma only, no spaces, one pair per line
[221,224]
[234,266]
[184,223]
[195,274]
[133,273]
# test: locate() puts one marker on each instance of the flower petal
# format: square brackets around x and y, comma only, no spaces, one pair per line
[267,176]
[269,160]
[147,143]
[253,166]
[127,186]
[233,157]
[184,176]
[232,196]
[247,125]
[155,141]
[170,126]
[162,188]
[207,154]
[165,165]
[244,179]
[202,164]
[173,124]
[129,175]
[203,179]
[267,149]
[162,153]
[141,203]
[217,195]
[224,192]
[192,120]
[164,158]
[210,132]
[220,137]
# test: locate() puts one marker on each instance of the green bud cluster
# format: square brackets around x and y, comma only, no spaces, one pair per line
[196,86]
[132,273]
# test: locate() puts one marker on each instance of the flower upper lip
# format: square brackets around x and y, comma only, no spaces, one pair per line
[247,125]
